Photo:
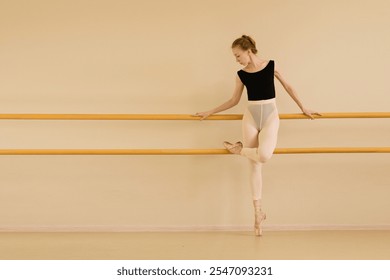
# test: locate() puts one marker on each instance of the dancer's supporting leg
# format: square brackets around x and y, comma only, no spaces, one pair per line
[250,140]
[259,142]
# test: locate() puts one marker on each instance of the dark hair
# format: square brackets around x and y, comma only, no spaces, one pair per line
[246,43]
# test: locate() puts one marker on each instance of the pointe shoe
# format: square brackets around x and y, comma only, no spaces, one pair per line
[259,218]
[233,148]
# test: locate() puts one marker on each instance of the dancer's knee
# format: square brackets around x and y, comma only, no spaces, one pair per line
[264,156]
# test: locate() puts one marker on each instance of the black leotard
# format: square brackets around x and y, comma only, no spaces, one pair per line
[259,85]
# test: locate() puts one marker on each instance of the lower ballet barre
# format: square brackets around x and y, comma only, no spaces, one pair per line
[135,152]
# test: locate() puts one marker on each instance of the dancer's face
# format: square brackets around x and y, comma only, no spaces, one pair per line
[241,56]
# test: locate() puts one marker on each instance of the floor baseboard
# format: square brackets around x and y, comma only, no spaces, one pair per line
[197,228]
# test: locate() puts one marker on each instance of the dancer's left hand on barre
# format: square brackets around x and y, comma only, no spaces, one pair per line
[310,113]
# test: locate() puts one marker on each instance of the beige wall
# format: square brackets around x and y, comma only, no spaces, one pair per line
[174,57]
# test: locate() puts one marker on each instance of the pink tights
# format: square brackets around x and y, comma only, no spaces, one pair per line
[260,127]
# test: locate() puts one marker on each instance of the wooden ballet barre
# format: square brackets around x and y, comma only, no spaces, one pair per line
[332,150]
[114,152]
[326,150]
[134,117]
[357,115]
[179,116]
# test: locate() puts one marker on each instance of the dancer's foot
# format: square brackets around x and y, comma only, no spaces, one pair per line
[259,218]
[233,148]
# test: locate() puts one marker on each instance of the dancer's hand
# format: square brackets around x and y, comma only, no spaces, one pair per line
[310,113]
[202,115]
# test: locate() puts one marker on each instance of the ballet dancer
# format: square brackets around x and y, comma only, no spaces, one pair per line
[260,122]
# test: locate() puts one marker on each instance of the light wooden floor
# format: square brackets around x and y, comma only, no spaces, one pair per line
[298,245]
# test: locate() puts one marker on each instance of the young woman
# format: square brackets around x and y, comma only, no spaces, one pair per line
[260,123]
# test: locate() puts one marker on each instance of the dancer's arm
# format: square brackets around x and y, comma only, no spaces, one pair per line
[290,90]
[233,101]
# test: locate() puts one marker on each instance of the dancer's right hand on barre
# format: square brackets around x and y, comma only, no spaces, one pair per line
[203,115]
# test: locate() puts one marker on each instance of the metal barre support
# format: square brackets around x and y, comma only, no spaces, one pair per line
[187,151]
[178,116]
